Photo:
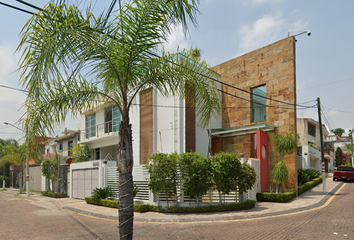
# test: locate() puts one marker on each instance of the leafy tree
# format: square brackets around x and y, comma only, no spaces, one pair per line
[338,131]
[50,170]
[7,149]
[74,61]
[284,144]
[81,153]
[195,171]
[339,157]
[163,174]
[246,179]
[226,168]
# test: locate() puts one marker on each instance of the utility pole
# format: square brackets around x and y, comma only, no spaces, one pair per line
[322,151]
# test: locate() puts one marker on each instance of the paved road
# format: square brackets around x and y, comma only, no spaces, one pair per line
[333,221]
[24,219]
[45,219]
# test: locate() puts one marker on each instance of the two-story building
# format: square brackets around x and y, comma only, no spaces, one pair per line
[309,145]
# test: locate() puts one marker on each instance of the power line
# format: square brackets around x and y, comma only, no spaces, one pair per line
[218,81]
[17,89]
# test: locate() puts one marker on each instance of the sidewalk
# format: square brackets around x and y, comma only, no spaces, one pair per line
[312,199]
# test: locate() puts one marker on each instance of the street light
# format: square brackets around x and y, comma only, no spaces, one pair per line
[27,165]
[308,32]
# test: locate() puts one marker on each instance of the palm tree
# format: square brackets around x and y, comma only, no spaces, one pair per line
[74,61]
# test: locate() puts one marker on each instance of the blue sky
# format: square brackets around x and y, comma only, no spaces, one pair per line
[228,29]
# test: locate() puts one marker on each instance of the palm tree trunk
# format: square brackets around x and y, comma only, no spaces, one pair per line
[125,169]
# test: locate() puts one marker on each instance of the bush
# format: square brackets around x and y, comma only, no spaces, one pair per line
[147,207]
[304,187]
[53,195]
[302,176]
[276,197]
[102,193]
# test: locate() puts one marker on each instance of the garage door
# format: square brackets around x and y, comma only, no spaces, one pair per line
[84,182]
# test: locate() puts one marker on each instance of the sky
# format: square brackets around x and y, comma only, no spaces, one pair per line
[228,29]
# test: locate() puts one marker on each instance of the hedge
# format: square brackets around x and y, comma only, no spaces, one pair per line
[54,195]
[147,207]
[276,197]
[285,197]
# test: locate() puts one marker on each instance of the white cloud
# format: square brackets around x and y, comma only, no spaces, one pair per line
[262,32]
[8,62]
[176,39]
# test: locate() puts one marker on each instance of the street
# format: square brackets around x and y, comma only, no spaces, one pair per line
[27,219]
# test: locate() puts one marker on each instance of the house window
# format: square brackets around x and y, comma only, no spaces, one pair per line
[258,101]
[90,125]
[70,147]
[60,146]
[311,129]
[113,117]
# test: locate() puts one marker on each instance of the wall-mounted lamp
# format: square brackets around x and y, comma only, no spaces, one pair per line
[308,32]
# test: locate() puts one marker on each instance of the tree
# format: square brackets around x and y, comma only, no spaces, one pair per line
[195,171]
[81,153]
[246,179]
[7,149]
[284,144]
[338,131]
[50,171]
[339,157]
[75,61]
[226,168]
[163,174]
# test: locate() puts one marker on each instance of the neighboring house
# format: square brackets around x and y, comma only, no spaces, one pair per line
[309,145]
[62,145]
[262,103]
[159,124]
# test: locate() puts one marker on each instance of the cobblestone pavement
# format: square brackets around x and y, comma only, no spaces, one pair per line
[334,220]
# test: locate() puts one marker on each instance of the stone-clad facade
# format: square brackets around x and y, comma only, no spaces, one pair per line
[274,67]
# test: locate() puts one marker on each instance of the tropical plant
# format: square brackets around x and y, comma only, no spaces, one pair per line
[226,168]
[284,144]
[162,168]
[195,171]
[280,175]
[81,153]
[102,193]
[74,61]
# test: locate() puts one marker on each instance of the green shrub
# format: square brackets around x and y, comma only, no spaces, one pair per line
[53,194]
[302,176]
[304,187]
[276,197]
[102,193]
[147,207]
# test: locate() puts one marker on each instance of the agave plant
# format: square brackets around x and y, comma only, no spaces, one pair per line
[102,193]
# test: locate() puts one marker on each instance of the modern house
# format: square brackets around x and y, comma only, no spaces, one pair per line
[261,102]
[309,145]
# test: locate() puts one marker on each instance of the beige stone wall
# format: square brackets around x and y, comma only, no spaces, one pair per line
[274,66]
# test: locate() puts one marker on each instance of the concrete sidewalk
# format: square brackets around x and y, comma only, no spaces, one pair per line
[312,199]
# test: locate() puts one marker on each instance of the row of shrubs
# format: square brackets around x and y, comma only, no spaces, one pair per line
[53,194]
[147,207]
[285,197]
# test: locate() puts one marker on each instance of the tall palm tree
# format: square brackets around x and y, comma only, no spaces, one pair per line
[73,61]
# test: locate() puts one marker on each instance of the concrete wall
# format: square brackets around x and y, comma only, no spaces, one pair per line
[273,66]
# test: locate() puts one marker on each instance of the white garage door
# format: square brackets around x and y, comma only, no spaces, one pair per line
[84,182]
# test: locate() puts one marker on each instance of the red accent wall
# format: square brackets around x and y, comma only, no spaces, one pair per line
[262,141]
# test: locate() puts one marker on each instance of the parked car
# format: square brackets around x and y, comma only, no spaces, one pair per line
[344,173]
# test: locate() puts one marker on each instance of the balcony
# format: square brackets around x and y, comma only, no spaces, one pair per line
[100,135]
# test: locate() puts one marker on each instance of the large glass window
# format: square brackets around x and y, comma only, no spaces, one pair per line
[258,98]
[90,125]
[113,117]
